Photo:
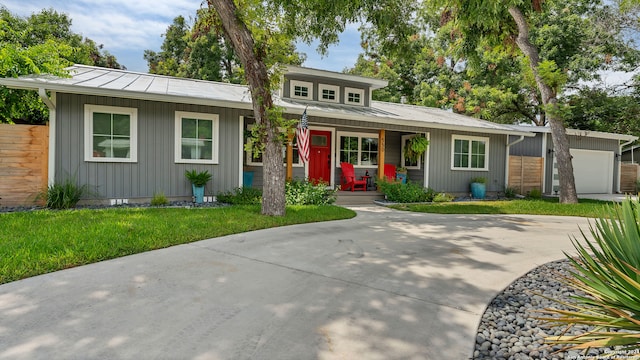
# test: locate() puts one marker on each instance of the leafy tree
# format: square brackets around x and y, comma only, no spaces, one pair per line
[38,44]
[596,109]
[254,29]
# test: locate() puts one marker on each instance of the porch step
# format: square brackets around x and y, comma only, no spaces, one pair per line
[357,197]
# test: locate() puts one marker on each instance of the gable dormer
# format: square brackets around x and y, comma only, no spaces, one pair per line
[321,86]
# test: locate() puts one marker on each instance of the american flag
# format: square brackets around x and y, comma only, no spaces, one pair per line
[302,134]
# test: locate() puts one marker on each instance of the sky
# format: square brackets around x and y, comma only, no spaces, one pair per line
[126,28]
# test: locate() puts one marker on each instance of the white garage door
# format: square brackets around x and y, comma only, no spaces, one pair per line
[593,171]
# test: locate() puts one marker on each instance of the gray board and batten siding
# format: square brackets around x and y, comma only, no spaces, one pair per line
[155,170]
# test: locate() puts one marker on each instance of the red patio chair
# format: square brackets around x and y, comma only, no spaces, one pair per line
[390,172]
[349,178]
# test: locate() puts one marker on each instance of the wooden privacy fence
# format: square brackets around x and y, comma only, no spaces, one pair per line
[23,164]
[525,173]
[628,178]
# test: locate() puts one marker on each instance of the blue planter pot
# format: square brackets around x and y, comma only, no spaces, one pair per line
[478,190]
[198,193]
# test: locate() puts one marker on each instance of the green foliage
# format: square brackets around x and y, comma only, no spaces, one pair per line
[510,192]
[66,194]
[478,179]
[198,178]
[159,199]
[607,270]
[302,192]
[535,194]
[551,75]
[241,196]
[415,147]
[598,110]
[41,43]
[405,193]
[443,197]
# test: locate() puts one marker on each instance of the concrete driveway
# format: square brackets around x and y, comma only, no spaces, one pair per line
[384,285]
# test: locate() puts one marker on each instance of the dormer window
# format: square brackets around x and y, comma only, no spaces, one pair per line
[301,90]
[329,93]
[354,96]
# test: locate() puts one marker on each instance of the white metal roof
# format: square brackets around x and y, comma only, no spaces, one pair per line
[577,132]
[121,83]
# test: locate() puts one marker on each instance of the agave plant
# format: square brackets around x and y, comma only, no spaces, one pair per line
[607,270]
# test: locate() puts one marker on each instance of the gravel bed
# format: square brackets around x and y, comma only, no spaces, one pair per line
[173,204]
[507,329]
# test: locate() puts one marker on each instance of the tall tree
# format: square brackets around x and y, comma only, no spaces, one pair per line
[243,24]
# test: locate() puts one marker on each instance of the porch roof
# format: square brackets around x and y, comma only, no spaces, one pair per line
[98,81]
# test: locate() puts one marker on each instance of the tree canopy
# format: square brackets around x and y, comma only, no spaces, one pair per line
[37,44]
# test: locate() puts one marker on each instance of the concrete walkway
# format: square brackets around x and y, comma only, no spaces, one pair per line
[384,285]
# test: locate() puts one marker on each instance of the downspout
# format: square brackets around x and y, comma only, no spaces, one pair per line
[506,162]
[620,163]
[544,163]
[51,168]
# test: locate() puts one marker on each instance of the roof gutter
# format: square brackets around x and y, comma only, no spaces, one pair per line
[506,161]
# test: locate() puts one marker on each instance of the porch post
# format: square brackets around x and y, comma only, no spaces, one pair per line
[290,155]
[381,151]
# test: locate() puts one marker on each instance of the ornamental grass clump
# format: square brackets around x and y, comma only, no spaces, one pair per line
[607,270]
[66,194]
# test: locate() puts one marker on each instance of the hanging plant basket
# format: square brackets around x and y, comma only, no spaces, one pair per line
[415,147]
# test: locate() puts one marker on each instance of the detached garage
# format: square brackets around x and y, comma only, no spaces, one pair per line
[596,158]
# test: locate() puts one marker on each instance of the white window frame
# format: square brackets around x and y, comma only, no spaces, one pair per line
[470,139]
[359,136]
[334,88]
[403,140]
[89,109]
[308,85]
[250,161]
[348,91]
[215,137]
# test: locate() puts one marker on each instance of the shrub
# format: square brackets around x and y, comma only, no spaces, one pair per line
[405,193]
[535,194]
[159,199]
[478,179]
[607,269]
[510,192]
[306,193]
[65,195]
[241,196]
[443,197]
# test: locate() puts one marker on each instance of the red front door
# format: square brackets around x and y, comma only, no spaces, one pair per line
[320,156]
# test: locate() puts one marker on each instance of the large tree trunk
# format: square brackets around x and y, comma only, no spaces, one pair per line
[558,133]
[252,58]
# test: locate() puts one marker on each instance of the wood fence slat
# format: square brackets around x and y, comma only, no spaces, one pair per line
[23,163]
[525,173]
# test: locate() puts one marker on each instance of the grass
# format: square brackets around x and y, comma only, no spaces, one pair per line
[38,242]
[586,208]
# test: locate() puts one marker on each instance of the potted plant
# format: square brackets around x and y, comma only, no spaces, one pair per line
[478,187]
[401,174]
[415,147]
[198,180]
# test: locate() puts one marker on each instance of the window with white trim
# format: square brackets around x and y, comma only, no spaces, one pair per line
[469,152]
[196,139]
[353,96]
[257,160]
[329,93]
[406,163]
[359,149]
[301,90]
[110,133]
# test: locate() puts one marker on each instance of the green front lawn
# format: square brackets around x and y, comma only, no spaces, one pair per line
[586,208]
[38,242]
